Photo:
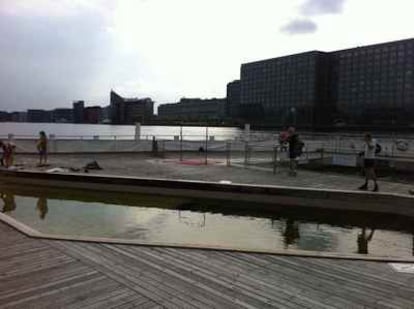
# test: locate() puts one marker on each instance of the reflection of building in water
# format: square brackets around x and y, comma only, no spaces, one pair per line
[42,207]
[291,233]
[9,203]
[363,241]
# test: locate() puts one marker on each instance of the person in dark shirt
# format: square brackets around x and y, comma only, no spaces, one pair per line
[295,150]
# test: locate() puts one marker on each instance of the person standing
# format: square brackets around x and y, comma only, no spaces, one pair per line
[42,148]
[295,150]
[370,147]
[8,153]
[283,140]
[2,147]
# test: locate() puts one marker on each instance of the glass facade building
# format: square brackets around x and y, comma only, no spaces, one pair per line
[374,85]
[363,86]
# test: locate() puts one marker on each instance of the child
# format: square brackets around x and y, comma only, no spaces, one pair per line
[42,148]
[8,153]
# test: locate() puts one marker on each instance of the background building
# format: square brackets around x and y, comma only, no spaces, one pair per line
[194,110]
[18,116]
[63,115]
[39,115]
[130,111]
[93,114]
[374,85]
[366,86]
[78,111]
[233,100]
[285,90]
[5,116]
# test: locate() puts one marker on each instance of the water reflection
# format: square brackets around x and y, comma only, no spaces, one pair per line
[209,222]
[9,203]
[291,232]
[42,207]
[363,240]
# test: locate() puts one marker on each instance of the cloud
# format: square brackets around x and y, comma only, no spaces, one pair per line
[321,7]
[299,26]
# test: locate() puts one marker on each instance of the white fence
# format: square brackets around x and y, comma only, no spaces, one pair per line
[392,146]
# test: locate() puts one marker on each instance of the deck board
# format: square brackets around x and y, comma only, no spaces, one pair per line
[64,274]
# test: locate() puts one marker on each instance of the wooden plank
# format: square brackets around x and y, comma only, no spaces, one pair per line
[206,276]
[35,279]
[48,291]
[120,273]
[59,274]
[241,281]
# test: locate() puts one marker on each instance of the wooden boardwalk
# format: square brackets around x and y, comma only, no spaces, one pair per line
[62,274]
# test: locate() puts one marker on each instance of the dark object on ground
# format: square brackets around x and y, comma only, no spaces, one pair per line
[92,166]
[201,149]
[412,191]
[74,169]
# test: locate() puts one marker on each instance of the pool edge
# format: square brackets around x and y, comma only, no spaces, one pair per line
[32,233]
[392,203]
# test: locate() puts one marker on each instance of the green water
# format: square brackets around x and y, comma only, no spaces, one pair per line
[186,221]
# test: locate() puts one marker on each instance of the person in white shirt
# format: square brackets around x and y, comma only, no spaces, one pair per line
[370,146]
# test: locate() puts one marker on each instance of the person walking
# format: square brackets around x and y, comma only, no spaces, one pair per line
[370,149]
[42,148]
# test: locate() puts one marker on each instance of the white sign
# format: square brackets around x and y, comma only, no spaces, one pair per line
[344,160]
[403,268]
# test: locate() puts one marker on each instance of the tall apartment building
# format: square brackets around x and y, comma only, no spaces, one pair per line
[374,85]
[130,111]
[195,109]
[233,99]
[371,85]
[284,90]
[78,111]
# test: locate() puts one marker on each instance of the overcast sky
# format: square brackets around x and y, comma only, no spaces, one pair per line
[56,51]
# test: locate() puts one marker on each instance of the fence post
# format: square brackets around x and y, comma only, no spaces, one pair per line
[246,154]
[52,138]
[275,159]
[181,143]
[206,149]
[154,146]
[228,153]
[138,131]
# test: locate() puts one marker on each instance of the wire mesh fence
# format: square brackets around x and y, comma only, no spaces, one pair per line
[254,148]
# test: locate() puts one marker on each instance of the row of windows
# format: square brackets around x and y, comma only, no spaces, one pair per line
[393,47]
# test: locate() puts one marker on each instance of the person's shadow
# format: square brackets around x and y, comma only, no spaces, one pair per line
[363,240]
[9,202]
[42,207]
[291,233]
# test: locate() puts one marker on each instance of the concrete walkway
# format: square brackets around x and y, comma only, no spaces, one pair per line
[193,168]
